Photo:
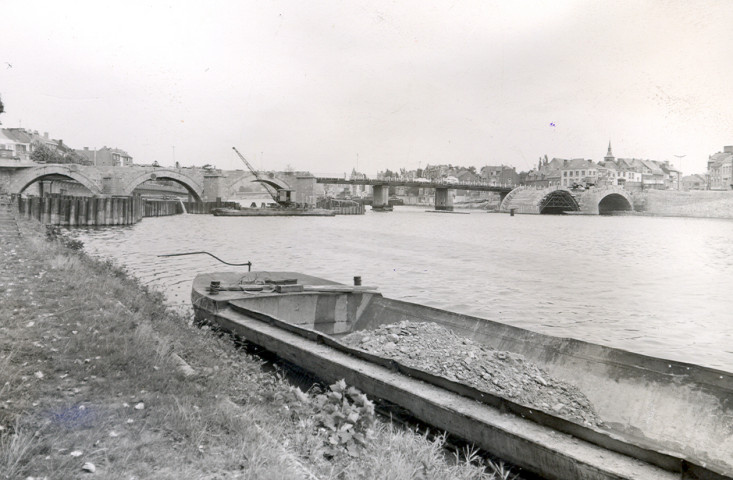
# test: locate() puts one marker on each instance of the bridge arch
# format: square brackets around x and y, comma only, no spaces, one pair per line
[23,180]
[614,202]
[539,200]
[274,182]
[192,186]
[558,201]
[604,200]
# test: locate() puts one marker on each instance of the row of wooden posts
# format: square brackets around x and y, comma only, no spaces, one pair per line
[73,211]
[342,207]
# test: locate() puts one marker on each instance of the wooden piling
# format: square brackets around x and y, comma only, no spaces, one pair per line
[107,220]
[72,212]
[82,215]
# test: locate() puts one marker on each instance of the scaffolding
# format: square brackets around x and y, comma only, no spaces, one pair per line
[558,202]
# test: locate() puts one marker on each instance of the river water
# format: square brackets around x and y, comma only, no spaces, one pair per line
[656,286]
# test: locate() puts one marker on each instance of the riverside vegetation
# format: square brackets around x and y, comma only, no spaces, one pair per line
[99,380]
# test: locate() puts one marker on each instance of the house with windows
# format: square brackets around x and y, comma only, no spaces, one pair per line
[106,157]
[638,174]
[578,172]
[499,175]
[672,176]
[19,143]
[9,148]
[652,175]
[720,169]
[547,173]
[628,174]
[607,174]
[23,142]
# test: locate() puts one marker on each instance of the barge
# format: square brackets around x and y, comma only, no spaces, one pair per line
[272,212]
[659,419]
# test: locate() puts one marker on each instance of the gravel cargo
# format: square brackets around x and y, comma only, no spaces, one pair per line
[435,349]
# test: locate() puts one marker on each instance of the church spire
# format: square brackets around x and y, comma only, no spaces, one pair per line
[609,156]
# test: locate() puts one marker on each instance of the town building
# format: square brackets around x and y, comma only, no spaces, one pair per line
[629,174]
[19,143]
[499,175]
[106,157]
[578,172]
[547,173]
[720,169]
[672,176]
[652,175]
[7,147]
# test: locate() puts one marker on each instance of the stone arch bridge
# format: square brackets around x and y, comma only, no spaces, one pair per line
[594,201]
[202,185]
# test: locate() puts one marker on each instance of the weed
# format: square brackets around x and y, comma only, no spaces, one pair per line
[14,450]
[348,416]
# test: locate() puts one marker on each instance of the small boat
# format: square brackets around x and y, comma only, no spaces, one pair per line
[659,419]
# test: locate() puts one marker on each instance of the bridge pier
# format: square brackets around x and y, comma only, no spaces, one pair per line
[381,198]
[444,199]
[213,187]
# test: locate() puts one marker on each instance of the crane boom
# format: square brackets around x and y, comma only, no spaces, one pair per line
[257,176]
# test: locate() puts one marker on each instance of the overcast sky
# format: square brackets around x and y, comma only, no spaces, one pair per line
[322,85]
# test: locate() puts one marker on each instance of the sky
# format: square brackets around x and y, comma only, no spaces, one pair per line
[328,86]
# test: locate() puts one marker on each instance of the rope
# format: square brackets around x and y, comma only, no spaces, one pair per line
[248,264]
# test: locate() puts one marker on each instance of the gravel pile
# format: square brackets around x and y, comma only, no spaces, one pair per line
[435,349]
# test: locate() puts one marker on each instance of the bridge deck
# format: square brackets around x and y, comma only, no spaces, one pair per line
[484,187]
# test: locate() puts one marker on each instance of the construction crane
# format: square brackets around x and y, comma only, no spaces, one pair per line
[283,202]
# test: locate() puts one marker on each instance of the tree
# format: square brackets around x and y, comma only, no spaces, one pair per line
[2,107]
[42,153]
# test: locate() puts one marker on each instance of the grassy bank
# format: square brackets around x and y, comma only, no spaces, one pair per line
[99,380]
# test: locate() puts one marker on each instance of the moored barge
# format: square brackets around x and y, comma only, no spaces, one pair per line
[660,419]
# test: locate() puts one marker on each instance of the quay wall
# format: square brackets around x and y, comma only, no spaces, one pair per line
[694,203]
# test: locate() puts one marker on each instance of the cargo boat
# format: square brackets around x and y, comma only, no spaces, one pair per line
[661,419]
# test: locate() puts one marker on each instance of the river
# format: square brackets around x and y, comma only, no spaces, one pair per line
[656,286]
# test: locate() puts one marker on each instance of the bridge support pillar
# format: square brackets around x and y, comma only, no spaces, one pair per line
[45,187]
[381,198]
[213,187]
[111,185]
[444,199]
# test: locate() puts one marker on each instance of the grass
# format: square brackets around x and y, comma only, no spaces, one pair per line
[91,372]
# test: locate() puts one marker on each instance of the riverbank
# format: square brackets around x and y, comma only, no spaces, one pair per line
[97,378]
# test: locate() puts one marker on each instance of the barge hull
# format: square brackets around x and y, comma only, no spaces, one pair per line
[522,442]
[626,386]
